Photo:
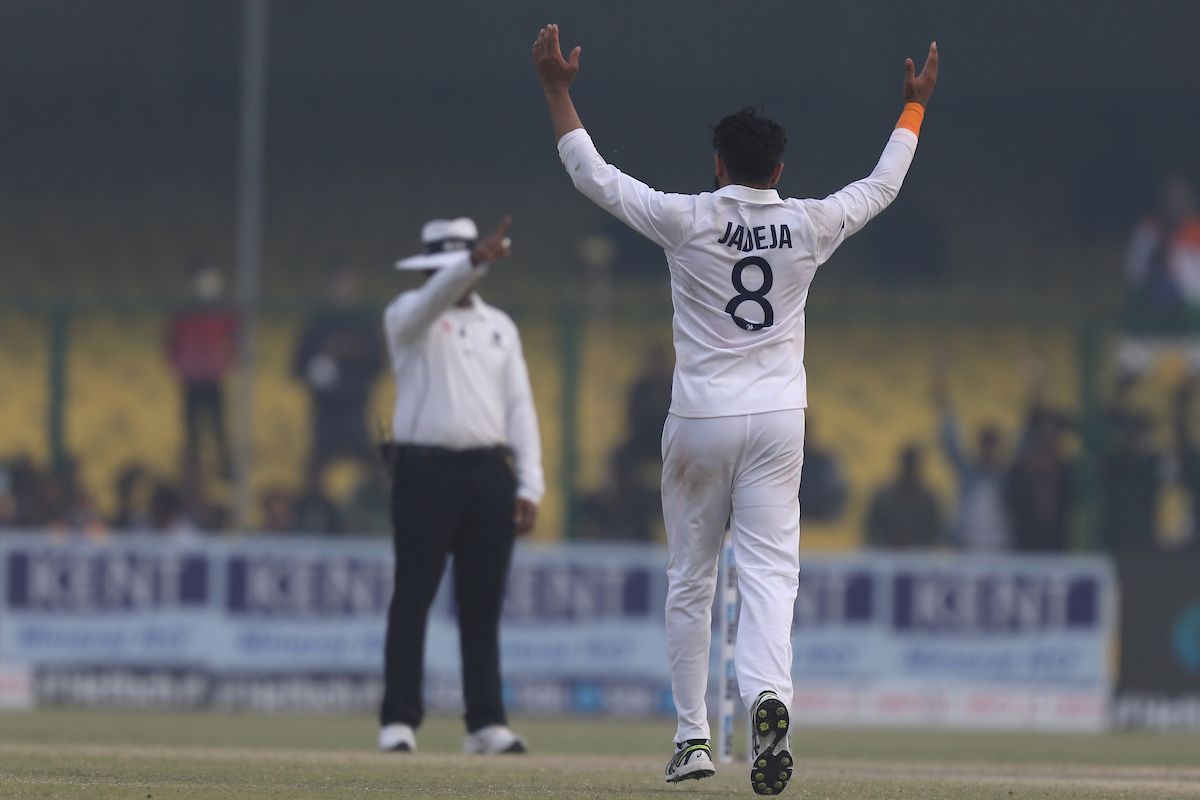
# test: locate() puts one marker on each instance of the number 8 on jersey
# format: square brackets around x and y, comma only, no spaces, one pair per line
[757,296]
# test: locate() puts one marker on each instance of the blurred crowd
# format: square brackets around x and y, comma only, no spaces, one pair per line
[337,357]
[1022,491]
[1031,495]
[56,500]
[1126,481]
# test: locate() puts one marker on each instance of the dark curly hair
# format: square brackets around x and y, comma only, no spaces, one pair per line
[750,144]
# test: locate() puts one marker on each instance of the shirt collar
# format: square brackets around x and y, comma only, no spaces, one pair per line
[747,194]
[476,303]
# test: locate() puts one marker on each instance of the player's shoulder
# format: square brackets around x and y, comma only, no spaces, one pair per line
[821,212]
[400,305]
[804,202]
[397,303]
[681,203]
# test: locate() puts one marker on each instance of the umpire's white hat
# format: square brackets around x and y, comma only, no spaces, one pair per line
[442,242]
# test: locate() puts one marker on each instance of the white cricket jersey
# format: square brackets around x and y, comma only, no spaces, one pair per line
[741,261]
[461,379]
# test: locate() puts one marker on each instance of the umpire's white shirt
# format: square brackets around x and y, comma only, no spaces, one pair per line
[739,257]
[461,379]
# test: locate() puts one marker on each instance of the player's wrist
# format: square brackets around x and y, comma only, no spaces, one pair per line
[912,116]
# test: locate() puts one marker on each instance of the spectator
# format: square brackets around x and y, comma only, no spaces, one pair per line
[649,401]
[314,511]
[278,513]
[337,358]
[629,505]
[201,347]
[627,508]
[66,505]
[823,488]
[1188,451]
[1163,259]
[208,514]
[1037,489]
[1130,476]
[905,512]
[132,488]
[981,519]
[369,508]
[168,513]
[25,484]
[8,500]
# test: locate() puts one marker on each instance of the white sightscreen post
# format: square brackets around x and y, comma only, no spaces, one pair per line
[251,124]
[728,632]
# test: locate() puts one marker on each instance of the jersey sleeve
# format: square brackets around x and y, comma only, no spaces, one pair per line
[845,212]
[522,425]
[665,219]
[409,316]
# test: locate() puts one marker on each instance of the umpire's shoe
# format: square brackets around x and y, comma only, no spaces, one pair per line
[691,762]
[771,765]
[397,738]
[493,740]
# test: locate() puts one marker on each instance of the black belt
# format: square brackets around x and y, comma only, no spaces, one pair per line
[430,451]
[393,453]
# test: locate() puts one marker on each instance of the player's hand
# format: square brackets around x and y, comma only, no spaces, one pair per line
[525,515]
[495,246]
[918,88]
[554,71]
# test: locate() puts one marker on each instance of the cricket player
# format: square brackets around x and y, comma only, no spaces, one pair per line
[741,259]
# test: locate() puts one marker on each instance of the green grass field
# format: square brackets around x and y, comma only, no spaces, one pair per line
[158,756]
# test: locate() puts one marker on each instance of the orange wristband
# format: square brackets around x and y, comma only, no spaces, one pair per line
[911,118]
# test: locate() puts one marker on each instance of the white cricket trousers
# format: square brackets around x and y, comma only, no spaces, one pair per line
[745,471]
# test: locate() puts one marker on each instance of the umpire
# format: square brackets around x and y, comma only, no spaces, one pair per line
[467,476]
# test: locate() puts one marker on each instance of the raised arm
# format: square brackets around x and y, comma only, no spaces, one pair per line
[845,212]
[557,74]
[411,314]
[663,218]
[948,429]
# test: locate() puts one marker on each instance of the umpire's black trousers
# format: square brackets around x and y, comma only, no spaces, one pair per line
[444,503]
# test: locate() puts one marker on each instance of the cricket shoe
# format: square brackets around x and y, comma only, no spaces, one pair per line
[691,762]
[493,740]
[771,764]
[397,738]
